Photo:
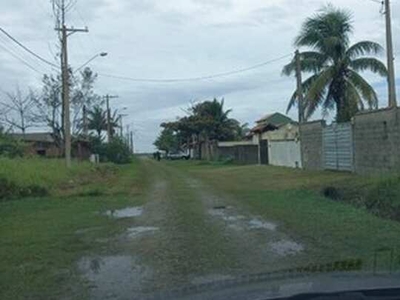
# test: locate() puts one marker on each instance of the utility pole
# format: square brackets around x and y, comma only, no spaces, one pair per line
[65,32]
[121,125]
[390,57]
[109,134]
[132,148]
[300,98]
[85,122]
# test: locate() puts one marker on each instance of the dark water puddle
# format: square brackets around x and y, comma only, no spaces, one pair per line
[114,277]
[128,212]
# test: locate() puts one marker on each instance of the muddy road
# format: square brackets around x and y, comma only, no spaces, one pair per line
[185,235]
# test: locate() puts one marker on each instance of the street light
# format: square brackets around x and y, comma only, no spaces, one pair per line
[120,120]
[102,54]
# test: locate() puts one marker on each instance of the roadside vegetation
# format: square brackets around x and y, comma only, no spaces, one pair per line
[43,237]
[359,220]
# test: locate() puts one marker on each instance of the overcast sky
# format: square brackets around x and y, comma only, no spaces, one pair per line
[165,39]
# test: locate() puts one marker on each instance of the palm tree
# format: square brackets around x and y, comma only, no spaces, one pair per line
[335,65]
[97,120]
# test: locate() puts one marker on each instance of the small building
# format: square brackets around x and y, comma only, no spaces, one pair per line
[44,144]
[281,135]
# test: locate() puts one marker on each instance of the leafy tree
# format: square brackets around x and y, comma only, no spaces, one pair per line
[10,147]
[335,65]
[117,151]
[206,121]
[97,120]
[167,140]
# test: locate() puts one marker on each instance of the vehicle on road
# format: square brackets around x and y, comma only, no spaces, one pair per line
[178,155]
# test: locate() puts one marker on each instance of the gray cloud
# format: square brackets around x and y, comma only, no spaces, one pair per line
[178,39]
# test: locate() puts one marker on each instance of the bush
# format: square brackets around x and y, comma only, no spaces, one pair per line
[116,151]
[384,199]
[10,147]
[11,190]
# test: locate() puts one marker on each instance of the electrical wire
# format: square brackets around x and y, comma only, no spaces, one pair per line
[21,60]
[196,78]
[27,49]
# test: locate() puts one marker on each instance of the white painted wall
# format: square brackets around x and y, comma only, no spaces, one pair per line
[284,153]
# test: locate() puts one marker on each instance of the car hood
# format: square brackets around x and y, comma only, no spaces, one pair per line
[255,287]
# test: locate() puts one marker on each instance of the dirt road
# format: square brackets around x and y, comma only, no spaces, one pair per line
[185,235]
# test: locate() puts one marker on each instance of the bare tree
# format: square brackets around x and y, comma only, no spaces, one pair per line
[83,95]
[17,110]
[48,107]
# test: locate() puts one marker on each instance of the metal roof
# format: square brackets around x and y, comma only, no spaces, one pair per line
[34,137]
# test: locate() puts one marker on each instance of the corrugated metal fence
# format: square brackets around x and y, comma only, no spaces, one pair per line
[337,145]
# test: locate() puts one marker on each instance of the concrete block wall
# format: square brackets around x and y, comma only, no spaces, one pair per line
[376,137]
[245,154]
[311,144]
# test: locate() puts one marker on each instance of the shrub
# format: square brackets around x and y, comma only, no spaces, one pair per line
[11,190]
[117,151]
[10,147]
[384,199]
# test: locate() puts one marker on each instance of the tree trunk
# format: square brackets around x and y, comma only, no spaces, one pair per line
[207,146]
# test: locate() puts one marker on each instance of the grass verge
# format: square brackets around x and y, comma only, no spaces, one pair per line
[40,237]
[331,230]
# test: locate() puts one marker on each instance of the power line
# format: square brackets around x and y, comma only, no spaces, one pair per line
[26,49]
[197,78]
[21,60]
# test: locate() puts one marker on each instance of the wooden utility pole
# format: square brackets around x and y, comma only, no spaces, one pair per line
[390,57]
[85,122]
[109,133]
[132,147]
[65,32]
[121,125]
[300,98]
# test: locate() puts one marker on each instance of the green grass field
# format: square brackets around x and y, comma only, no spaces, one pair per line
[334,230]
[39,244]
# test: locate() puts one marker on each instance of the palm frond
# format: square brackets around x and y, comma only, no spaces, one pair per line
[317,90]
[353,96]
[369,63]
[306,86]
[363,48]
[327,23]
[366,91]
[310,61]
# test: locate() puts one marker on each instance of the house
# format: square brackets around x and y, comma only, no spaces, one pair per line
[44,144]
[275,126]
[273,140]
[278,140]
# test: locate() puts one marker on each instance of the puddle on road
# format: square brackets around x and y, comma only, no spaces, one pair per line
[128,212]
[286,247]
[134,232]
[258,224]
[212,278]
[87,230]
[238,221]
[114,277]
